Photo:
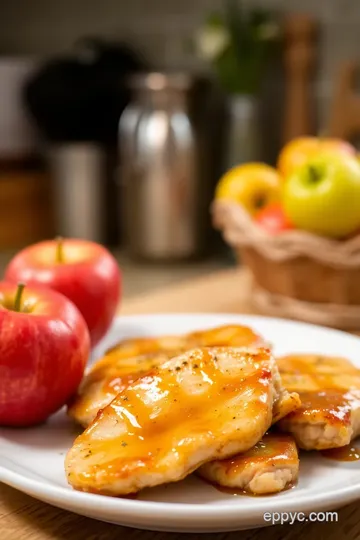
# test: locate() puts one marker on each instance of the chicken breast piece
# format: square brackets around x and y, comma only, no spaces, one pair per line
[106,379]
[285,402]
[205,404]
[329,388]
[132,358]
[272,465]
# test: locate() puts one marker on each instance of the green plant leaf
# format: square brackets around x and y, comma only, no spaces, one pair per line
[242,62]
[215,20]
[237,26]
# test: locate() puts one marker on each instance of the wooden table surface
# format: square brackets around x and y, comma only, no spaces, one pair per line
[24,518]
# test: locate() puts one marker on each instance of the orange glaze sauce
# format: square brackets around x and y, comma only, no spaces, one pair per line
[273,448]
[344,453]
[132,496]
[138,430]
[226,336]
[332,404]
[242,492]
[117,370]
[119,377]
[133,347]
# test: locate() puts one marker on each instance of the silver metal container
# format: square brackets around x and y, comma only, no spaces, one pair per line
[243,135]
[161,191]
[78,189]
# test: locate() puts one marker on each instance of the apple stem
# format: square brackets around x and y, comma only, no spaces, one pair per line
[59,249]
[18,296]
[315,175]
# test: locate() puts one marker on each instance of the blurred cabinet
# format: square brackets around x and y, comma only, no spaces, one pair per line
[25,203]
[345,109]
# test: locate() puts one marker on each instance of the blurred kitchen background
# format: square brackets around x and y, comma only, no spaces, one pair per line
[118,118]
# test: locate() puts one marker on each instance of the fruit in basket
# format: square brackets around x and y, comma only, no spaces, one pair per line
[273,219]
[44,347]
[85,272]
[323,196]
[298,151]
[253,185]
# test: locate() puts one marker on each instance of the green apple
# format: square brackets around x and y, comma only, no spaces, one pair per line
[323,195]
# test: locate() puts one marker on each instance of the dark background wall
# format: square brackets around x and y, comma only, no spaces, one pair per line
[161,29]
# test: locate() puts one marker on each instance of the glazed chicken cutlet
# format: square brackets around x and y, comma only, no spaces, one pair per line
[272,465]
[132,358]
[203,405]
[329,388]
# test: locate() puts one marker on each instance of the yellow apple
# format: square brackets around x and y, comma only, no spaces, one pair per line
[253,185]
[298,151]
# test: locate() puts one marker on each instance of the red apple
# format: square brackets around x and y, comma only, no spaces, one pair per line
[83,271]
[44,347]
[273,219]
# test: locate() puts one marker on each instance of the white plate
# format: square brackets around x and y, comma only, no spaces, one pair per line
[31,460]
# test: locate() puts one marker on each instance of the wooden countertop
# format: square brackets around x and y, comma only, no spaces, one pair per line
[24,518]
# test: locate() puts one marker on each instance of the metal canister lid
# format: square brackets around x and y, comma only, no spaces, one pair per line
[157,81]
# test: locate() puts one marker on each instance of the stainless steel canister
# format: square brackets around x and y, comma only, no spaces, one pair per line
[161,194]
[78,189]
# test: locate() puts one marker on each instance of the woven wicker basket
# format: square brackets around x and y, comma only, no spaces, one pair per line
[296,274]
